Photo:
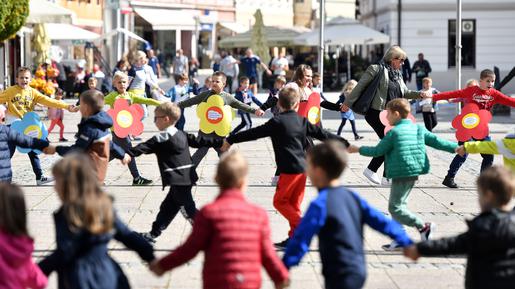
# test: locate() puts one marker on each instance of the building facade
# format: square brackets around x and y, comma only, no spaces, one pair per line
[306,12]
[275,12]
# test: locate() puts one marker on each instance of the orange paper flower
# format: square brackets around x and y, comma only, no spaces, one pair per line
[472,123]
[126,118]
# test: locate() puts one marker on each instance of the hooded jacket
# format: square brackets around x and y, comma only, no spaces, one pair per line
[94,138]
[16,266]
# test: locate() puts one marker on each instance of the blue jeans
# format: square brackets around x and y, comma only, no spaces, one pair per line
[181,122]
[34,160]
[458,160]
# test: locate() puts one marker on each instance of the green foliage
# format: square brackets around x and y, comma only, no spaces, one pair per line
[13,14]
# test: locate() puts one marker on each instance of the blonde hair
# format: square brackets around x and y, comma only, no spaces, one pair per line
[169,109]
[472,82]
[348,87]
[120,74]
[393,52]
[85,205]
[231,171]
[281,79]
[139,55]
[399,105]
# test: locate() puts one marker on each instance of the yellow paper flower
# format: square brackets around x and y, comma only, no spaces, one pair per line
[215,116]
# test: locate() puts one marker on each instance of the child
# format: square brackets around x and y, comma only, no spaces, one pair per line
[488,242]
[404,150]
[505,147]
[9,139]
[273,96]
[56,116]
[349,114]
[85,224]
[485,96]
[94,134]
[217,87]
[427,105]
[22,98]
[181,91]
[208,84]
[177,171]
[234,235]
[16,266]
[323,101]
[289,133]
[245,95]
[120,82]
[92,83]
[337,216]
[472,82]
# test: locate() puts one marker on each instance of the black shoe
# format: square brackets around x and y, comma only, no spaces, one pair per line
[449,182]
[282,245]
[358,137]
[149,237]
[141,181]
[63,140]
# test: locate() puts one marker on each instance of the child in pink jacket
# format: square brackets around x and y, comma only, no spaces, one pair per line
[17,270]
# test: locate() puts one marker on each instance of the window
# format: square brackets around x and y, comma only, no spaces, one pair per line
[468,42]
[299,1]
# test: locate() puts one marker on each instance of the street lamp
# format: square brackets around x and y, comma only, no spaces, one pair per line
[321,44]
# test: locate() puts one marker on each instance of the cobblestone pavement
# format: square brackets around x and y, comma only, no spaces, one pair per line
[137,206]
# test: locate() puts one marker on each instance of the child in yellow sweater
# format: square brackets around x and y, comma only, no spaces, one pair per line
[21,99]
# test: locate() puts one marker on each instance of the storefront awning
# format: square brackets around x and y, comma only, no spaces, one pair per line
[167,19]
[42,11]
[60,31]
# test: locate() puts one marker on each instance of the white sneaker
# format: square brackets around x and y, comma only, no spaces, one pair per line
[275,179]
[44,180]
[393,246]
[386,182]
[427,231]
[372,176]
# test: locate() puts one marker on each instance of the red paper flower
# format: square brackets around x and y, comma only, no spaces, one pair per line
[472,123]
[126,119]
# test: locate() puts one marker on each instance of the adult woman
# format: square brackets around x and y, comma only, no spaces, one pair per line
[391,86]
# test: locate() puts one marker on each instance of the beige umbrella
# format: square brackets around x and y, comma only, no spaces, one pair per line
[259,42]
[41,43]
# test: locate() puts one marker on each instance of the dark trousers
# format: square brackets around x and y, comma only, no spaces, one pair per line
[344,281]
[200,153]
[246,122]
[430,120]
[372,118]
[352,124]
[126,145]
[458,160]
[228,86]
[419,83]
[179,198]
[34,160]
[181,122]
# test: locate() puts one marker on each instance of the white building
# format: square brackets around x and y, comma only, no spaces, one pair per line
[488,31]
[275,12]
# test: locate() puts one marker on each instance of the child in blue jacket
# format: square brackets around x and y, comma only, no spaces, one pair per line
[180,92]
[337,216]
[245,95]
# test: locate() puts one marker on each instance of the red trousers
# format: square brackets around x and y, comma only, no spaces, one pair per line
[58,122]
[288,197]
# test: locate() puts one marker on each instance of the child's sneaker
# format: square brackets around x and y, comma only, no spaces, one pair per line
[44,180]
[141,181]
[449,182]
[63,140]
[372,176]
[358,137]
[149,237]
[275,179]
[426,232]
[393,246]
[282,245]
[386,182]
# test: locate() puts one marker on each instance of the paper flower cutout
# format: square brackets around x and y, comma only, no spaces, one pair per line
[472,123]
[384,120]
[215,116]
[311,109]
[30,125]
[126,118]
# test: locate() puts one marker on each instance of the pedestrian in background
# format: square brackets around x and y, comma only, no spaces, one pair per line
[180,65]
[421,68]
[229,66]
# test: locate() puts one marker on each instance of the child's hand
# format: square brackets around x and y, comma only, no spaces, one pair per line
[126,159]
[259,112]
[425,94]
[461,150]
[226,146]
[73,108]
[282,285]
[344,108]
[196,81]
[155,268]
[352,149]
[411,252]
[49,150]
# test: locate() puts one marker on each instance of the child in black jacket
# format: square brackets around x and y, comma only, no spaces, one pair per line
[171,147]
[489,242]
[289,133]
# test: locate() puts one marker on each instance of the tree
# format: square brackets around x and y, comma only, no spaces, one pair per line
[13,14]
[258,41]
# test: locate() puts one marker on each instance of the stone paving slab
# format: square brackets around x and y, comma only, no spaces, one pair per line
[138,206]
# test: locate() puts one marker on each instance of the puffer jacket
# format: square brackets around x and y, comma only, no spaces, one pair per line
[504,147]
[489,245]
[404,148]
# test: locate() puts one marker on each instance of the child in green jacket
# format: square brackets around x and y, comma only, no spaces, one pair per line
[406,159]
[504,147]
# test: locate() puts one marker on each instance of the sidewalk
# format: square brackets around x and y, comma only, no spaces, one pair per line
[137,206]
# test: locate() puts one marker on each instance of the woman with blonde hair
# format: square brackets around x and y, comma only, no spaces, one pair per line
[372,94]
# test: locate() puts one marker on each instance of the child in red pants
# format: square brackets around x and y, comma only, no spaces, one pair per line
[56,117]
[288,132]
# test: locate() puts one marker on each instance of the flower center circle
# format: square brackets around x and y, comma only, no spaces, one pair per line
[33,131]
[124,119]
[314,115]
[214,115]
[470,120]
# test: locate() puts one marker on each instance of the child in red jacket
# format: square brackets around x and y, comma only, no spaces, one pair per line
[485,96]
[229,227]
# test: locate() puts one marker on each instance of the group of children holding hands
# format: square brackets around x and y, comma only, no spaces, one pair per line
[234,234]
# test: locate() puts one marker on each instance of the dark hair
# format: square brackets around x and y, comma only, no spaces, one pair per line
[93,98]
[243,78]
[500,181]
[288,97]
[13,218]
[316,74]
[330,156]
[231,170]
[486,73]
[183,76]
[299,73]
[220,74]
[399,105]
